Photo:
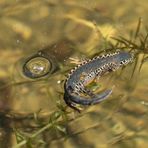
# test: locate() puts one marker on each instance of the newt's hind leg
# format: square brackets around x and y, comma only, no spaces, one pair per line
[88,92]
[99,97]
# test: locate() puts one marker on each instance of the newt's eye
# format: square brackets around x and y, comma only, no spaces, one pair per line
[37,66]
[122,62]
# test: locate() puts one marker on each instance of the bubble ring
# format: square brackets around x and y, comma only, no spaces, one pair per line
[37,66]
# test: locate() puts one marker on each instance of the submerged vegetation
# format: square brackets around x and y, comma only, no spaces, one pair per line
[137,43]
[53,123]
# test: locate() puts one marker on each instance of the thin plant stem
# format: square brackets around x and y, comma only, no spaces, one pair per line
[33,135]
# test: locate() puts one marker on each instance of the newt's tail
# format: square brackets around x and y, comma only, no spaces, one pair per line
[72,98]
[95,100]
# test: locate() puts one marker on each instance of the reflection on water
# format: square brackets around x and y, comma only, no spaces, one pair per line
[64,29]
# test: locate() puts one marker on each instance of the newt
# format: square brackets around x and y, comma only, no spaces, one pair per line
[86,72]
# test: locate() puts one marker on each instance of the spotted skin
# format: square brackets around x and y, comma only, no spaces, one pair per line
[88,71]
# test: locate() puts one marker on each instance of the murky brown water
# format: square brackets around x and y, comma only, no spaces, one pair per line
[63,29]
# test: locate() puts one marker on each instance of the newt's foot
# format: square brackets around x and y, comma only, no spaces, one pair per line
[71,105]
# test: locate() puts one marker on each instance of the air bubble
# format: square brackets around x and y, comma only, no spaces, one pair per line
[37,66]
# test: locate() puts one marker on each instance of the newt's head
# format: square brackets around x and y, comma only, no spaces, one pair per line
[123,58]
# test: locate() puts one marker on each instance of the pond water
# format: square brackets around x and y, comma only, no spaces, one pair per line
[38,39]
